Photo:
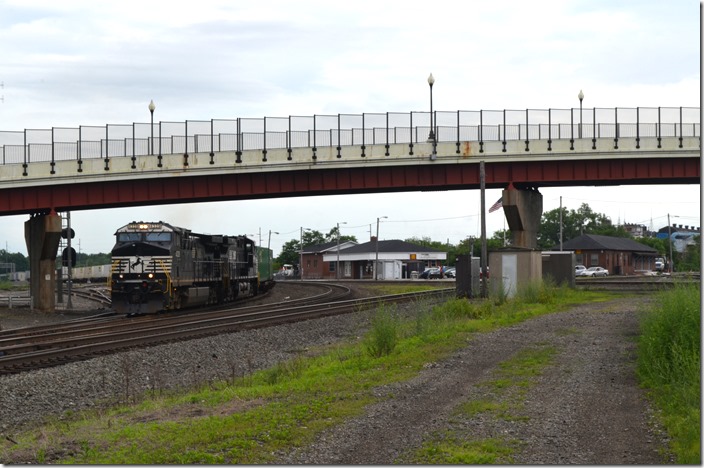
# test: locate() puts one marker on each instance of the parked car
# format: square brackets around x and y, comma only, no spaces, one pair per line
[435,273]
[451,273]
[428,272]
[659,264]
[596,271]
[579,270]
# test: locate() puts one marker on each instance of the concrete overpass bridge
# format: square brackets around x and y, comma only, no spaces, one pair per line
[61,169]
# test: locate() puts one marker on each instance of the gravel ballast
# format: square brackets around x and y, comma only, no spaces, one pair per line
[584,408]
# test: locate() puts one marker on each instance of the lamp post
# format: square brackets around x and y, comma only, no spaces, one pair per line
[669,241]
[300,264]
[268,245]
[151,111]
[581,97]
[376,260]
[431,136]
[337,264]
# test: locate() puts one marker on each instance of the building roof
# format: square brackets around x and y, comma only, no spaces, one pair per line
[597,242]
[390,246]
[327,246]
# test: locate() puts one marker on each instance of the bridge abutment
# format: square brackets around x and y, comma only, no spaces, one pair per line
[523,210]
[42,234]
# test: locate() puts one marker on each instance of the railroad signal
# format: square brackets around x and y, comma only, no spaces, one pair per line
[68,256]
[65,233]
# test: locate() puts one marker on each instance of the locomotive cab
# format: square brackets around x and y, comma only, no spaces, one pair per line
[141,264]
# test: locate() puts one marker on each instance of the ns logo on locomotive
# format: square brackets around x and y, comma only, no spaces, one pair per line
[157,266]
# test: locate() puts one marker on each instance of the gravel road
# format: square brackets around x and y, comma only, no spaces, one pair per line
[584,408]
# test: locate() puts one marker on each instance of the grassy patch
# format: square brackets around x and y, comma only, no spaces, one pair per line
[248,419]
[455,451]
[669,365]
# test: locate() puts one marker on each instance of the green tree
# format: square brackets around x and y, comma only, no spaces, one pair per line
[584,220]
[427,242]
[332,236]
[21,262]
[658,244]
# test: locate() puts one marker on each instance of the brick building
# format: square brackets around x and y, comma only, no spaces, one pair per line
[619,255]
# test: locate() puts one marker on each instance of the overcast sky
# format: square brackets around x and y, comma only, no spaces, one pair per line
[70,63]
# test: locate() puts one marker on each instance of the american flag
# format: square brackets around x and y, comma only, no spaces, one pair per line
[495,206]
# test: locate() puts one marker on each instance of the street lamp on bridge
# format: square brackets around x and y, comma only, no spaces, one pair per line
[581,97]
[151,111]
[431,136]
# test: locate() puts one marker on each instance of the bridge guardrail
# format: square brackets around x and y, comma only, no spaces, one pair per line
[242,134]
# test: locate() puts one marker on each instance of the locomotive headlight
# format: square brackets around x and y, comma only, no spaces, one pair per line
[122,276]
[150,275]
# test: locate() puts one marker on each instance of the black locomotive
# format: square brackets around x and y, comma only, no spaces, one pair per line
[157,266]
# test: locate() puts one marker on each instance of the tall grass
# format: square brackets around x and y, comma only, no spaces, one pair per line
[669,365]
[384,333]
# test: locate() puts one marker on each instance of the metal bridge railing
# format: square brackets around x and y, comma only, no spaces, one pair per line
[242,134]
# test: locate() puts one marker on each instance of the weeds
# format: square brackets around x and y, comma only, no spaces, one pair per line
[669,365]
[384,334]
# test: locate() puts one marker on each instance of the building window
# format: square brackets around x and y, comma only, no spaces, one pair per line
[315,263]
[332,267]
[594,259]
[579,259]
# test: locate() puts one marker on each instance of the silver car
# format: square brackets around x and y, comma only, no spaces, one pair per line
[596,271]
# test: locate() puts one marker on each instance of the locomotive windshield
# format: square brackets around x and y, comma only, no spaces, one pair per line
[148,237]
[158,237]
[128,236]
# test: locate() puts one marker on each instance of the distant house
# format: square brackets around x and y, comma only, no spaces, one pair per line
[619,255]
[397,259]
[635,230]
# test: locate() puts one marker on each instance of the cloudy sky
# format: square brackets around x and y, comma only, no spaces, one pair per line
[70,63]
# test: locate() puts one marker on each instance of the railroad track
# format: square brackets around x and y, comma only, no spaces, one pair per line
[39,347]
[636,283]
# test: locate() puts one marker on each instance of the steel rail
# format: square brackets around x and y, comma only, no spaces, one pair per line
[156,332]
[27,339]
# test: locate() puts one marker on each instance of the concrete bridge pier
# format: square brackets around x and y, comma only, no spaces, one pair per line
[523,210]
[42,233]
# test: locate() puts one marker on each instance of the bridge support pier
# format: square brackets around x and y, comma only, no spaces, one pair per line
[523,210]
[42,233]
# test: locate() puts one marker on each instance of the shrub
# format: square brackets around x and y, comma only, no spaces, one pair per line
[384,333]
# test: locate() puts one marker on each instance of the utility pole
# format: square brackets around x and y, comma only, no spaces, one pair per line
[669,241]
[560,223]
[482,176]
[69,257]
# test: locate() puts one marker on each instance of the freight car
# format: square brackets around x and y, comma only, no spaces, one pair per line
[90,274]
[157,266]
